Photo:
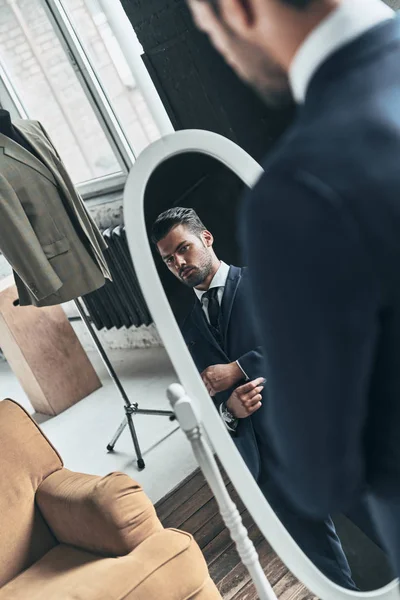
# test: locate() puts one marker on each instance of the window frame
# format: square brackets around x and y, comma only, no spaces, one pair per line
[97,97]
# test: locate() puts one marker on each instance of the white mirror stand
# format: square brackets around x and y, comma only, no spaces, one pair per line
[190,423]
[247,169]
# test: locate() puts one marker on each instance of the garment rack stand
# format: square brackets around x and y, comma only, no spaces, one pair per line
[131,409]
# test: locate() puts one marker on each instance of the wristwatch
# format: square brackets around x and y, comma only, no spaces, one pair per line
[229,419]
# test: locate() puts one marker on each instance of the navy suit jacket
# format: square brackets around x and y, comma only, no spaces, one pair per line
[322,240]
[239,342]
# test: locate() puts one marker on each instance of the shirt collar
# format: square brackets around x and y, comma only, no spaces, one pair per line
[349,21]
[219,280]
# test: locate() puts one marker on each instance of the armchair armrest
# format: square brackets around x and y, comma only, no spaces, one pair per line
[108,515]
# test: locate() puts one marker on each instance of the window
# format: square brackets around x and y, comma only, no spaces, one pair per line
[108,61]
[60,63]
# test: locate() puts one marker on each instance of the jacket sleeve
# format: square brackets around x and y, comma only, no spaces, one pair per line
[21,248]
[317,300]
[252,364]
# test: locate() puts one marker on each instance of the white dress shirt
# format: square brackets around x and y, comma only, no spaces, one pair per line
[218,281]
[349,21]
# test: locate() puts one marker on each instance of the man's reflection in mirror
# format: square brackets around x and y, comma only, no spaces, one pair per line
[223,342]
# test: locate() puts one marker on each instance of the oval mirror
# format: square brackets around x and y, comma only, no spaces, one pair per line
[206,174]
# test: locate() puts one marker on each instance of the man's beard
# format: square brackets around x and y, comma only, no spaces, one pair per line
[259,71]
[275,98]
[198,275]
[270,83]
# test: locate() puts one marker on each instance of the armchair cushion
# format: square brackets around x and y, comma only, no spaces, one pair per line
[108,515]
[166,566]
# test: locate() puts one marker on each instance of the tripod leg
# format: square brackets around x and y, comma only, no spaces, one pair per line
[117,435]
[155,413]
[129,407]
[102,353]
[140,462]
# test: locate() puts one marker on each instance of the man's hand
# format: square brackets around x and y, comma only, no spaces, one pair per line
[219,378]
[246,399]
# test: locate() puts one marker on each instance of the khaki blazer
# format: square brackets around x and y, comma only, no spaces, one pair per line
[46,232]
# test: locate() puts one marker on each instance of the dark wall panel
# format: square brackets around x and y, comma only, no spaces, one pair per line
[198,89]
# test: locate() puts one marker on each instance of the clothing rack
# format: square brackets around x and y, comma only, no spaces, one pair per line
[120,302]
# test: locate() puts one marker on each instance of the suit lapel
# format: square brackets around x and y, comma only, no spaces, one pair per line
[200,322]
[232,283]
[21,155]
[231,286]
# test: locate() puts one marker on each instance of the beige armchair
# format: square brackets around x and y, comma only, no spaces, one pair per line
[69,536]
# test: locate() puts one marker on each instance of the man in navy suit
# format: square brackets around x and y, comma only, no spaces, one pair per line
[322,238]
[223,342]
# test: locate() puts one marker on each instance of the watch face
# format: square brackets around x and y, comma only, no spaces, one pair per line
[228,417]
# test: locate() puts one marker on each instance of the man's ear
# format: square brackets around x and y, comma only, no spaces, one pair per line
[239,15]
[208,238]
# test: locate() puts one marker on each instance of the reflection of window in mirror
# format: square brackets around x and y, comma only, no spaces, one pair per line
[197,181]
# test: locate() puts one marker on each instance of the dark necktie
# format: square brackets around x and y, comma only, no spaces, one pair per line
[213,307]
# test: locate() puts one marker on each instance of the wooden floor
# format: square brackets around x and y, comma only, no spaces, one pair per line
[192,508]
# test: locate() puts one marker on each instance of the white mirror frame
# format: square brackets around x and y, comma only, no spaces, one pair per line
[249,171]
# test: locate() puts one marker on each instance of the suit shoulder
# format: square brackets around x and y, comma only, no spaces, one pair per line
[244,274]
[27,124]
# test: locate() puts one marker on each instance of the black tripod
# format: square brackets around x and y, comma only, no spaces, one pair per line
[130,409]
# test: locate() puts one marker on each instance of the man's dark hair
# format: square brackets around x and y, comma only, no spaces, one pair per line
[295,3]
[176,216]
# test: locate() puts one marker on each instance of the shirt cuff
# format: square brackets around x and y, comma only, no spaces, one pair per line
[243,371]
[233,426]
